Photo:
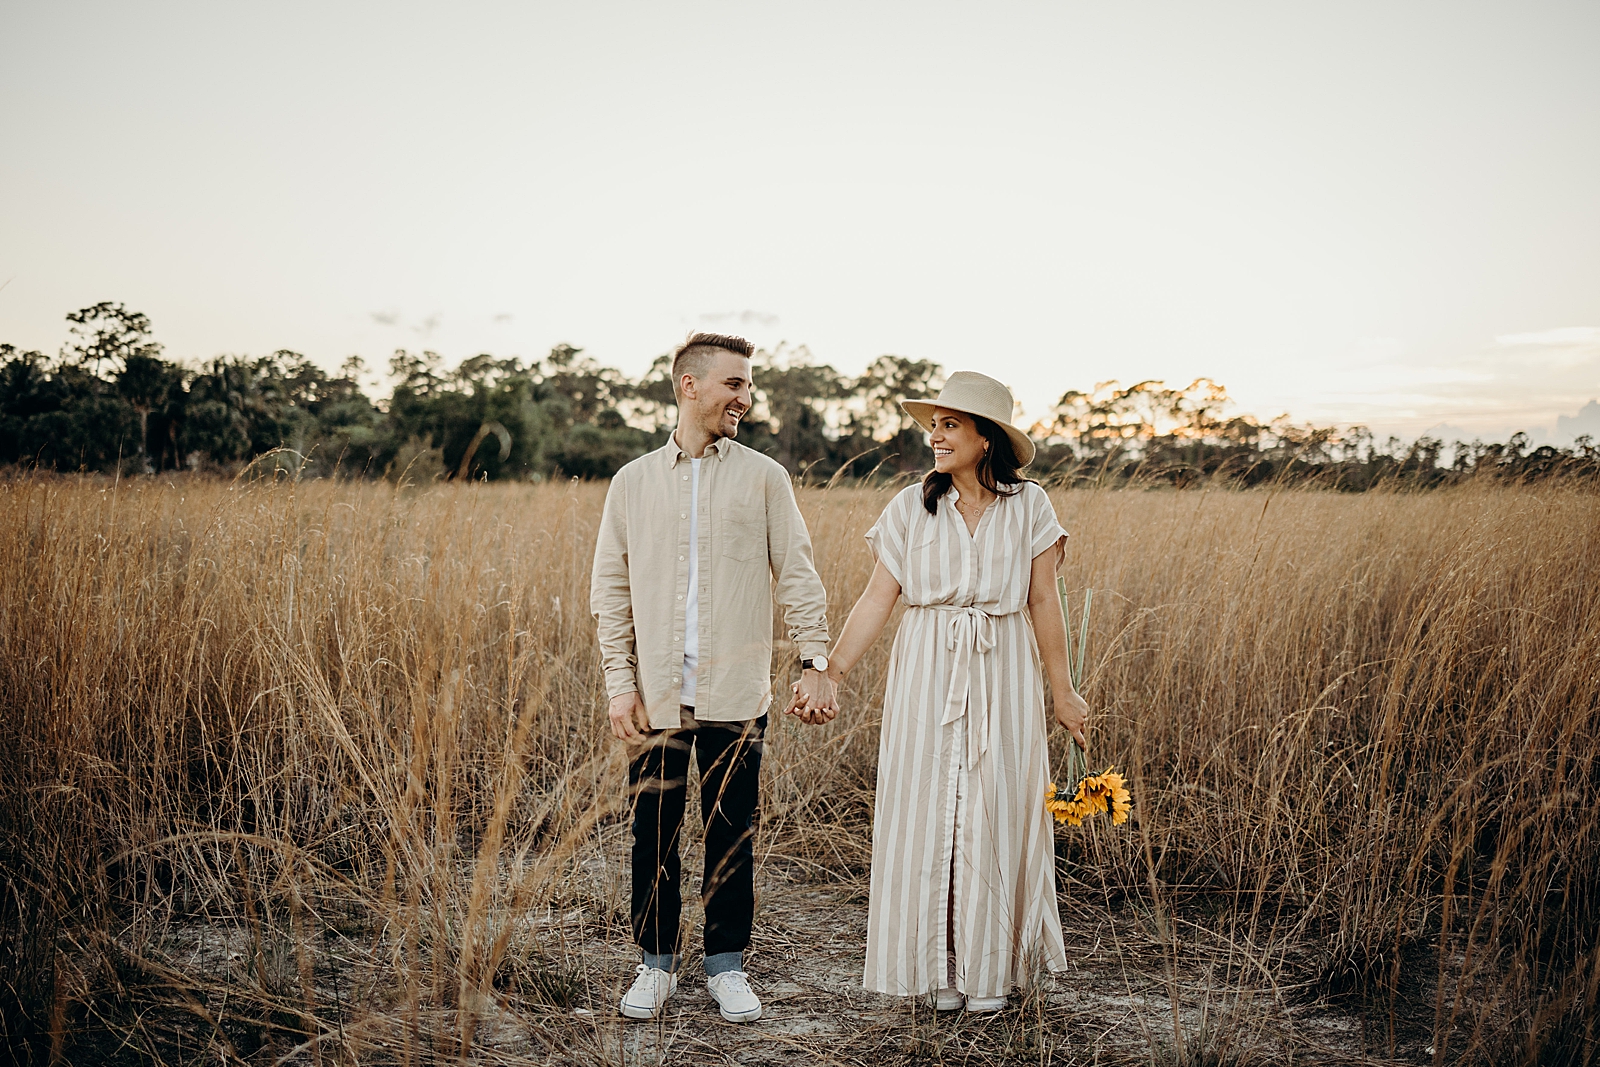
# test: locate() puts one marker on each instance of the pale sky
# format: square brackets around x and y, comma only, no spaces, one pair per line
[1377,212]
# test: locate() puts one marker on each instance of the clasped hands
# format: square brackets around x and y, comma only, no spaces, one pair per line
[815,700]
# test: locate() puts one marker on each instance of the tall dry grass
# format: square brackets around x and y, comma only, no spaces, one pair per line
[339,741]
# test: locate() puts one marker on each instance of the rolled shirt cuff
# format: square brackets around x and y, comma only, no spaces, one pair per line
[620,680]
[663,961]
[722,962]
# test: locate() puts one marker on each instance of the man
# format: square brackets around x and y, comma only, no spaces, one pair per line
[696,539]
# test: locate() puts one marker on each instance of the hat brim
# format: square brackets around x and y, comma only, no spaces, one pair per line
[922,411]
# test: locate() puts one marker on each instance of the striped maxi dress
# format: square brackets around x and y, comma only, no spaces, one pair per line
[962,761]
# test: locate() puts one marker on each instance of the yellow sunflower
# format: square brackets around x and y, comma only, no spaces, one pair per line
[1103,792]
[1072,813]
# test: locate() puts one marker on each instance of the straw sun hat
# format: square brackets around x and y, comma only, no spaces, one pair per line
[975,394]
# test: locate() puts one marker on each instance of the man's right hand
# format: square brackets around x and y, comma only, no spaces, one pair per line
[815,700]
[629,720]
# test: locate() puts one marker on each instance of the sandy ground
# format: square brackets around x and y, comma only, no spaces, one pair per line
[1142,988]
[1134,994]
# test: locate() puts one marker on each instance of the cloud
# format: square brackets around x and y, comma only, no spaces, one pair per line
[1446,431]
[503,318]
[1450,433]
[423,329]
[763,319]
[1521,381]
[1586,421]
[1562,336]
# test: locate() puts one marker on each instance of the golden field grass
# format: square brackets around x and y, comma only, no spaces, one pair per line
[317,772]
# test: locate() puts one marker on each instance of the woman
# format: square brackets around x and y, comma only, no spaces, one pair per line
[963,894]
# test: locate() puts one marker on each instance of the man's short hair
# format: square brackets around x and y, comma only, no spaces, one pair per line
[694,356]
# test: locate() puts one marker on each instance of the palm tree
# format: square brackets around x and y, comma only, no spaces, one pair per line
[146,382]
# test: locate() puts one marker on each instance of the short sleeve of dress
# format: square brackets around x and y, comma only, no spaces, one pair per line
[889,534]
[1043,527]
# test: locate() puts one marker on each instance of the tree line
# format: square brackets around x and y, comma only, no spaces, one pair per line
[110,401]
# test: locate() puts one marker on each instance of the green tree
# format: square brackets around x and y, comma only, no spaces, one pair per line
[109,336]
[878,432]
[147,382]
[108,332]
[803,404]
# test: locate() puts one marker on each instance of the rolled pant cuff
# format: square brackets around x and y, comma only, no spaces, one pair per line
[663,961]
[722,962]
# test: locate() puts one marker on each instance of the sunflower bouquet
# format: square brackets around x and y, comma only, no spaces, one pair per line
[1089,794]
[1096,793]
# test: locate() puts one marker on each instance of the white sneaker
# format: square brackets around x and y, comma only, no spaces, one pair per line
[986,1003]
[731,991]
[946,1000]
[649,993]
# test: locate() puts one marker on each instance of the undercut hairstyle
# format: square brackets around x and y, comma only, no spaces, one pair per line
[694,356]
[998,471]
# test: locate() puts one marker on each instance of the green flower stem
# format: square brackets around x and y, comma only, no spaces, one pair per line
[1077,768]
[1083,636]
[1066,621]
[1077,760]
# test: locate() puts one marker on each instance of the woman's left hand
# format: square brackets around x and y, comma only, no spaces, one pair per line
[1072,711]
[802,707]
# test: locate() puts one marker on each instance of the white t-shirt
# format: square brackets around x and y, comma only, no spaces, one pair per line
[691,618]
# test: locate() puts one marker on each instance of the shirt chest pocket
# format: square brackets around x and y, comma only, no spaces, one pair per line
[742,533]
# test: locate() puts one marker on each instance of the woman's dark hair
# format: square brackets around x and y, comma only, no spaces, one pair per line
[998,470]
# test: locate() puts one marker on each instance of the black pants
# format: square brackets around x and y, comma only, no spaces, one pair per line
[729,758]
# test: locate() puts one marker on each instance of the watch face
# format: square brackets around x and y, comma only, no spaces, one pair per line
[819,663]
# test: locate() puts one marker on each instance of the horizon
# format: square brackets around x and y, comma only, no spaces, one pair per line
[378,385]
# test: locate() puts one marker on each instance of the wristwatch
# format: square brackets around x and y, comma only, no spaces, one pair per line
[814,663]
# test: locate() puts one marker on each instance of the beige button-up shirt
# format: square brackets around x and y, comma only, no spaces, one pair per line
[753,546]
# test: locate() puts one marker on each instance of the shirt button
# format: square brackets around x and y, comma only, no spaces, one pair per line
[680,596]
[683,514]
[674,640]
[680,559]
[685,477]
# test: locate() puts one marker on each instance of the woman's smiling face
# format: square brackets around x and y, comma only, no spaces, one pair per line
[957,444]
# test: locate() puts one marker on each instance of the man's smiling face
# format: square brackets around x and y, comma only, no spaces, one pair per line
[722,395]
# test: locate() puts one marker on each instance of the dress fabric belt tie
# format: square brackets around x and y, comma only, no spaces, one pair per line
[969,633]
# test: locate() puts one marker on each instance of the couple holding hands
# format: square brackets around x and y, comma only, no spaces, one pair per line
[697,539]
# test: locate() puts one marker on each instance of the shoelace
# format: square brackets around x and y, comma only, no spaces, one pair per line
[735,981]
[655,983]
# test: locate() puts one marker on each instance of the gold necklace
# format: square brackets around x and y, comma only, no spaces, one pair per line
[981,508]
